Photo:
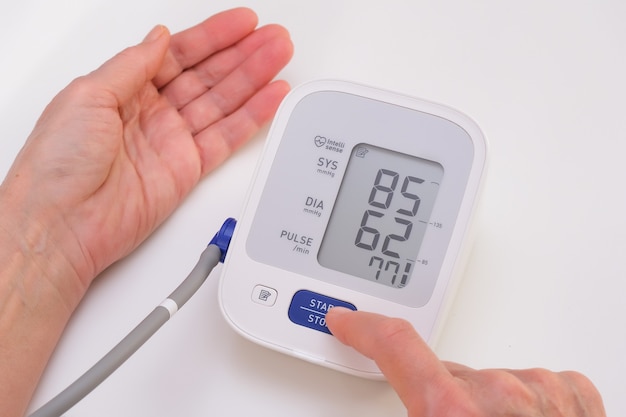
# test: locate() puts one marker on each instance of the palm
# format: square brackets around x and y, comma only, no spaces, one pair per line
[143,175]
[115,161]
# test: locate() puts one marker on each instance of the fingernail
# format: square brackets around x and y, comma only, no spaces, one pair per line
[155,33]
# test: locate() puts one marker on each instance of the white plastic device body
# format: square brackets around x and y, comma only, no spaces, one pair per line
[362,198]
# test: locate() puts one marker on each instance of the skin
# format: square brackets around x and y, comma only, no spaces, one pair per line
[430,387]
[110,158]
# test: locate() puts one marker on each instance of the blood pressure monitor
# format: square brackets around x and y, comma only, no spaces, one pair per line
[363,199]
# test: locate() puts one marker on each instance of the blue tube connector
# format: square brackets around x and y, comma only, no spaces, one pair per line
[223,237]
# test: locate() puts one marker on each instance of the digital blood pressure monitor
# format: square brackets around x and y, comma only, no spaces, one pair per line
[363,199]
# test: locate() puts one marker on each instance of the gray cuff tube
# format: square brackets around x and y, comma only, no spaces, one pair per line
[133,341]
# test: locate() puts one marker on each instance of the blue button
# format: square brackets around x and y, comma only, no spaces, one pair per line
[309,309]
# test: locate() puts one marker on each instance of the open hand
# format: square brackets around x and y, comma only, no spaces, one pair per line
[117,150]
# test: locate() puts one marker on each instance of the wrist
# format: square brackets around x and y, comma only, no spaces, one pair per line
[39,290]
[35,246]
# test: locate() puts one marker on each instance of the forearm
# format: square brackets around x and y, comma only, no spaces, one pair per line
[38,293]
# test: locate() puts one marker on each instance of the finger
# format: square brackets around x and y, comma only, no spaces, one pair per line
[197,80]
[227,96]
[195,44]
[403,357]
[218,141]
[127,72]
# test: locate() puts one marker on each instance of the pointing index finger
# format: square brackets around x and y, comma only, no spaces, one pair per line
[407,362]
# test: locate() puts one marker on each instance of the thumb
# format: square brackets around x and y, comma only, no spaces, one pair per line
[128,71]
[407,362]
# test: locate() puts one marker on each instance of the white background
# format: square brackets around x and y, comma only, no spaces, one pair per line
[546,280]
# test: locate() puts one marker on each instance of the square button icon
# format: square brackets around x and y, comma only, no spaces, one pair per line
[264,295]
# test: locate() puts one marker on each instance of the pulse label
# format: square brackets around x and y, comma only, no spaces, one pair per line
[300,243]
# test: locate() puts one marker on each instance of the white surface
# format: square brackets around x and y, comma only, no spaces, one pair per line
[546,281]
